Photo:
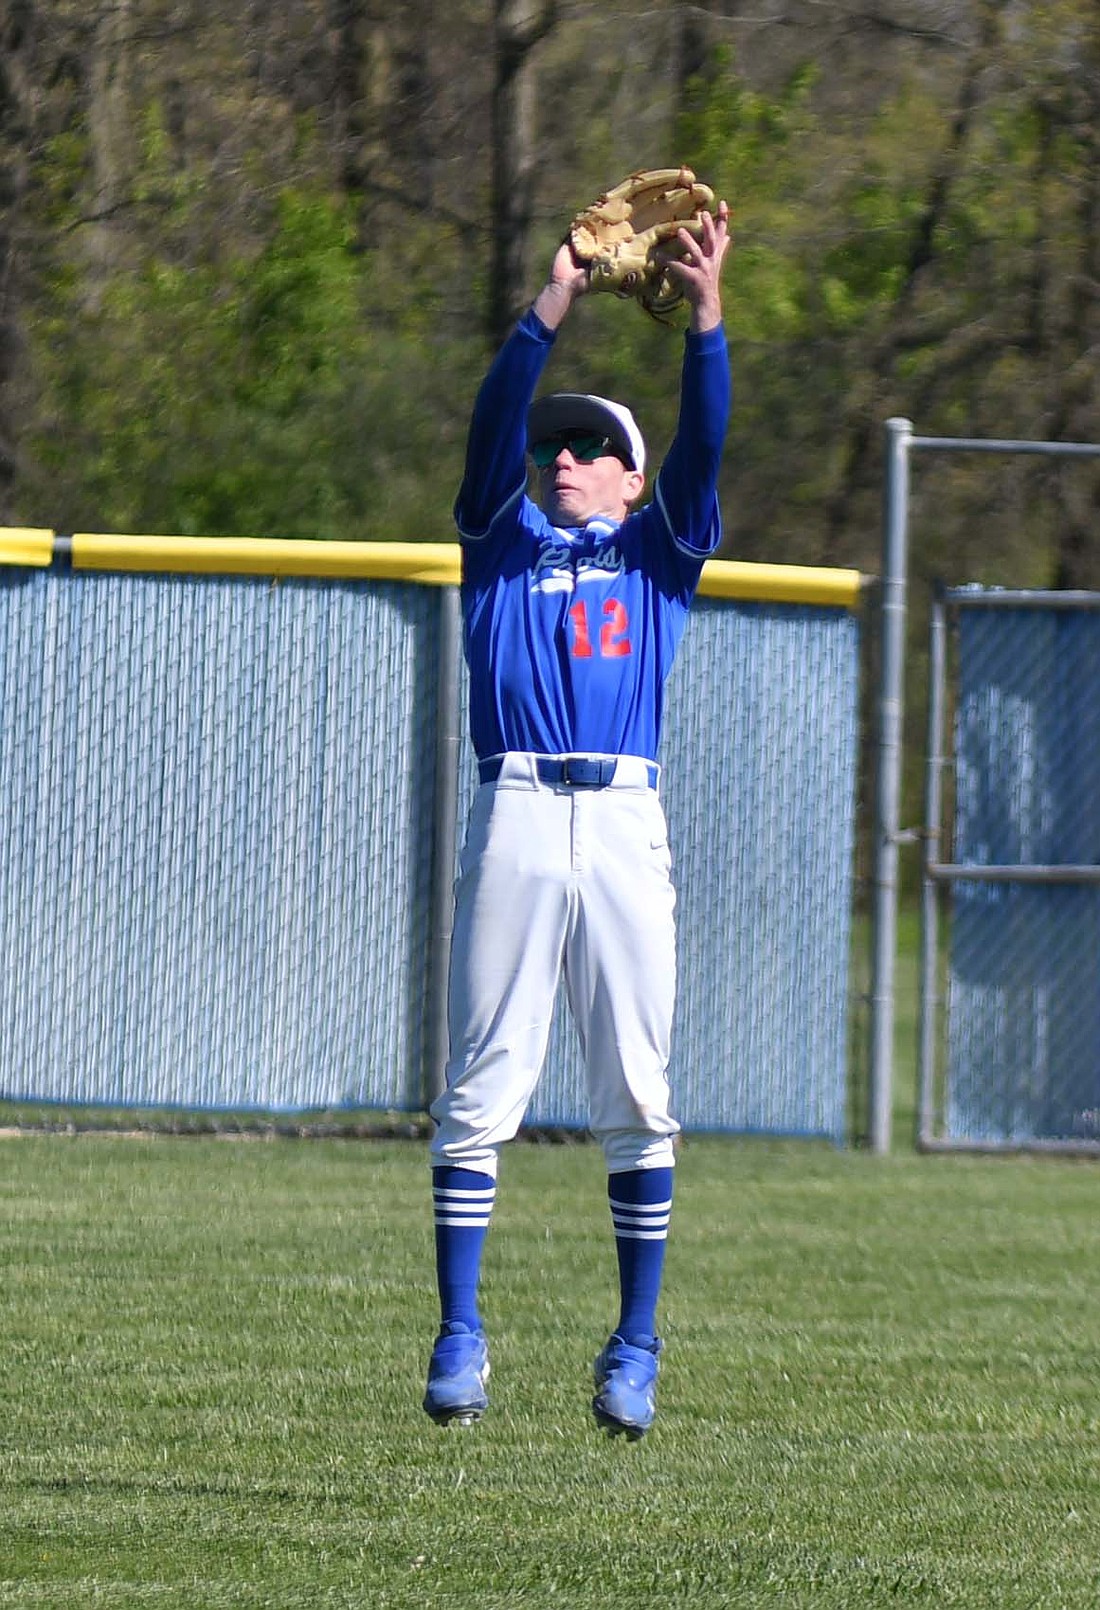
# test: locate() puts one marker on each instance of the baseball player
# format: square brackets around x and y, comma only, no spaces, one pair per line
[573,608]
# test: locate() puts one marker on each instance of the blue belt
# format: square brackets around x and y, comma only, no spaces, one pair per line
[572,771]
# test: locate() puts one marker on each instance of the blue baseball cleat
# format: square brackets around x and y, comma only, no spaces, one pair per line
[626,1387]
[457,1374]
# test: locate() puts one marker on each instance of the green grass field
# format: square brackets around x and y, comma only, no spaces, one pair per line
[880,1385]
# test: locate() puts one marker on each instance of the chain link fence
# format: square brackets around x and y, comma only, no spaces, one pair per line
[216,880]
[1011,1009]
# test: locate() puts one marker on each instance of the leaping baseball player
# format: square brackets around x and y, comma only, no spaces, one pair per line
[573,609]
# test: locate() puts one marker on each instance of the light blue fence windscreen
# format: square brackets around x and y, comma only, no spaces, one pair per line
[1023,1018]
[215,881]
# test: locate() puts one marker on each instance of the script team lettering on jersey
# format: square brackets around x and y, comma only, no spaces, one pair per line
[561,564]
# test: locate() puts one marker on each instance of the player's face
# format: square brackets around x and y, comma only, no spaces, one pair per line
[573,490]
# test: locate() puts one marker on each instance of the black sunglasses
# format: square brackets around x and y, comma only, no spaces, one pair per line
[585,447]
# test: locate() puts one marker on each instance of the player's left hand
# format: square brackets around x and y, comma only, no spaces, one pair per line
[699,268]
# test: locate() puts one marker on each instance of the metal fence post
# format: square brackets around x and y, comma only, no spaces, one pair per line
[928,1013]
[444,839]
[884,908]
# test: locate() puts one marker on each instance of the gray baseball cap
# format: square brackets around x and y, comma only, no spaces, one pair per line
[576,410]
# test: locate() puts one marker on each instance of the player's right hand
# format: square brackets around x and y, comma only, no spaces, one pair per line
[568,279]
[568,272]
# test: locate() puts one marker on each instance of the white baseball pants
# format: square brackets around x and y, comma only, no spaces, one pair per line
[560,880]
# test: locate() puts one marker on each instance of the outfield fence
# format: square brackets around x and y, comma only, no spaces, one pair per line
[1007,1024]
[237,774]
[1010,1003]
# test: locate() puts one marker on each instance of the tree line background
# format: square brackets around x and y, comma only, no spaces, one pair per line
[254,257]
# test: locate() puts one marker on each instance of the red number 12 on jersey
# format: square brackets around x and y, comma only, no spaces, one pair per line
[614,641]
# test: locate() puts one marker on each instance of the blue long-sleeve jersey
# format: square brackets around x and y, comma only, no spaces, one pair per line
[570,634]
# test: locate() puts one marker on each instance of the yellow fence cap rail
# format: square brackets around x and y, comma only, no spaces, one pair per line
[781,584]
[26,545]
[433,563]
[429,563]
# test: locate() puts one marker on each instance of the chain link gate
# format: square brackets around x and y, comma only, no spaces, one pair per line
[1009,1020]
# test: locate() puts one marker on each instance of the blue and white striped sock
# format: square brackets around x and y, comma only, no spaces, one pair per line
[463,1203]
[641,1207]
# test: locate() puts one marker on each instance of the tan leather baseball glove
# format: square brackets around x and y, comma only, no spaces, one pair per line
[627,236]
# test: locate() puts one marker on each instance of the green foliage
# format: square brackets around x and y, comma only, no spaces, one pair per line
[276,387]
[864,272]
[740,134]
[751,148]
[208,397]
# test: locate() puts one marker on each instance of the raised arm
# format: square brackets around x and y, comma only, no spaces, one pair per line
[495,466]
[687,483]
